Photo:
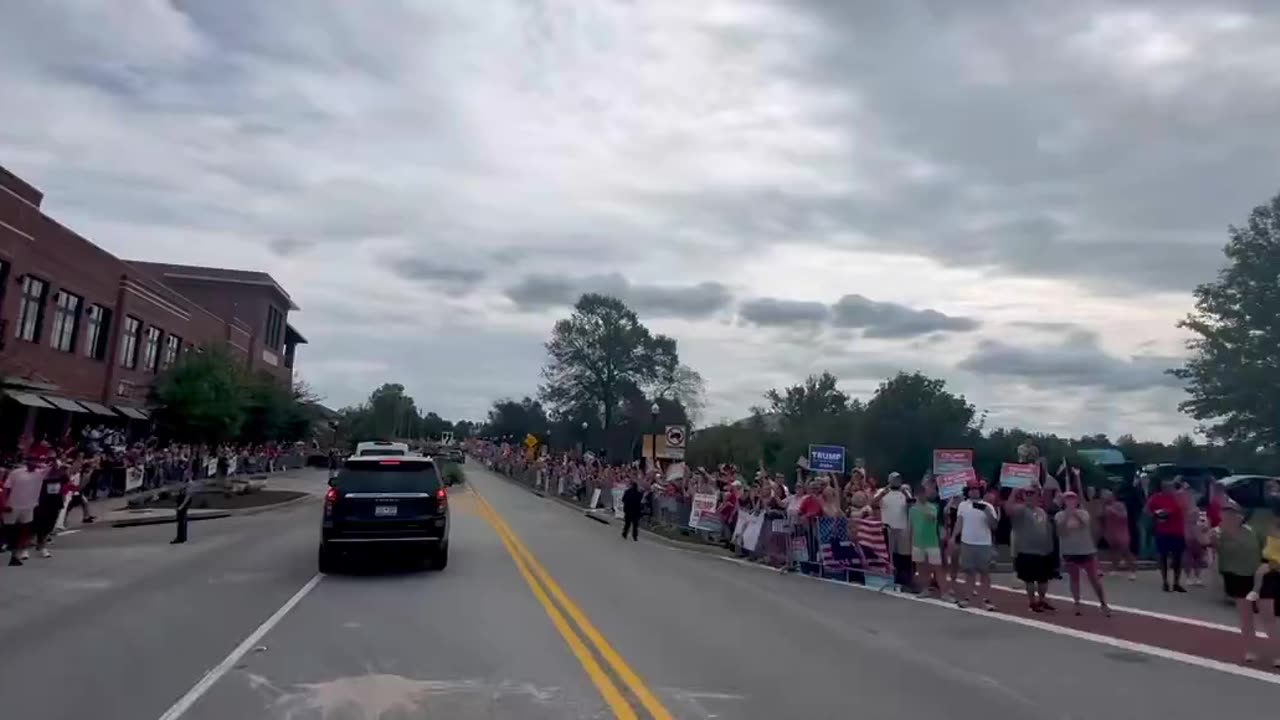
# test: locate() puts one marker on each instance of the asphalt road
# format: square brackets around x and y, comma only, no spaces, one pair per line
[121,625]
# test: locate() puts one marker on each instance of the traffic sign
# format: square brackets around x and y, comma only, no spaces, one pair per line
[530,441]
[675,436]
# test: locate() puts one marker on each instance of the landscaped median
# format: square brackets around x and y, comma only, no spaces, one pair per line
[240,497]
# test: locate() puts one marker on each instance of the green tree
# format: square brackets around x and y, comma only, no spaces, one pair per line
[516,419]
[684,386]
[599,352]
[1231,374]
[201,399]
[277,412]
[817,395]
[908,417]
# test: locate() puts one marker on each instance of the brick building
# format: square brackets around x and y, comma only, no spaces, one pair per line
[83,334]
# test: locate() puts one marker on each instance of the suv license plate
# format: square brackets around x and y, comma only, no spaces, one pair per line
[384,510]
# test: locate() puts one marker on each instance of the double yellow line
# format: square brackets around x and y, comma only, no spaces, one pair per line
[545,589]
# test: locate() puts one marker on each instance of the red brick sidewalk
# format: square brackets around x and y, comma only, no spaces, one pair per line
[1188,636]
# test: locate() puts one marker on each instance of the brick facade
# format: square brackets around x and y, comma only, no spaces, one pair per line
[51,356]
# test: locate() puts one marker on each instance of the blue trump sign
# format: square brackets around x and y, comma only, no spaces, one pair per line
[826,458]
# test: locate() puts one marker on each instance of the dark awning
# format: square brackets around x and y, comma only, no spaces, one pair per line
[132,412]
[64,403]
[97,408]
[28,399]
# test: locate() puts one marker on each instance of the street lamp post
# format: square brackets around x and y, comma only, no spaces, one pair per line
[582,443]
[654,409]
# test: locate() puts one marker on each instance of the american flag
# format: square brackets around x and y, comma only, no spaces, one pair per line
[834,547]
[869,533]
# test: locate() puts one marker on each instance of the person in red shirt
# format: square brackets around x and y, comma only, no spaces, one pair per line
[811,503]
[1170,530]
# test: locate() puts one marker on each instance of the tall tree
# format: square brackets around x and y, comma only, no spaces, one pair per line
[201,399]
[515,419]
[598,352]
[685,386]
[909,416]
[1231,374]
[817,395]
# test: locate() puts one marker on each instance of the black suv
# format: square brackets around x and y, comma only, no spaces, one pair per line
[382,503]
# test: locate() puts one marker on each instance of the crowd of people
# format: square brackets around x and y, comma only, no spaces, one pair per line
[1053,528]
[42,483]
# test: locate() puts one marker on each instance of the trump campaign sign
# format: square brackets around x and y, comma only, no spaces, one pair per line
[826,458]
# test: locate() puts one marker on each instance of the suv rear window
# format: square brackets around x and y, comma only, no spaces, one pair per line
[391,476]
[367,452]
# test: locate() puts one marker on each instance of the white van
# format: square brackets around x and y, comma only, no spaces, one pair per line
[381,447]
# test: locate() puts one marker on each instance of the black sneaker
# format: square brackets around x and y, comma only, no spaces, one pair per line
[14,561]
[1179,588]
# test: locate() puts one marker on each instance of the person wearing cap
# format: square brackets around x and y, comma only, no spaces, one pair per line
[893,503]
[975,522]
[1239,551]
[1033,555]
[1075,542]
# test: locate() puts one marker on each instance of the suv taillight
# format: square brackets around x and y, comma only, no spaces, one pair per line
[442,498]
[330,498]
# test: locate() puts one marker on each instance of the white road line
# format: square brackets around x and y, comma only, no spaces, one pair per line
[186,701]
[1197,622]
[66,532]
[1206,663]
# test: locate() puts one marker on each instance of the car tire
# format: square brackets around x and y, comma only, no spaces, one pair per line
[327,560]
[439,559]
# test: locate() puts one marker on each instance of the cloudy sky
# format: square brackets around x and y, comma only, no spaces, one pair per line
[1016,196]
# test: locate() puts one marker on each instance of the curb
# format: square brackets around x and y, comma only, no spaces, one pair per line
[268,508]
[212,515]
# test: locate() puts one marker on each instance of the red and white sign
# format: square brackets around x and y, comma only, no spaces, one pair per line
[1019,475]
[952,484]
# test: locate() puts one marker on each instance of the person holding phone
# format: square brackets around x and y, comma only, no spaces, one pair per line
[1166,507]
[1032,534]
[975,522]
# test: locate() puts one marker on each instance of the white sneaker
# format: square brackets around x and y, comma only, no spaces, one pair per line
[24,555]
[44,553]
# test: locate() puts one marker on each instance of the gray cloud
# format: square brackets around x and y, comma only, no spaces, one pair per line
[1077,362]
[772,312]
[883,320]
[1046,326]
[890,320]
[540,292]
[429,272]
[1036,139]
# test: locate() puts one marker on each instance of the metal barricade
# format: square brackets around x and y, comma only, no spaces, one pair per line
[840,548]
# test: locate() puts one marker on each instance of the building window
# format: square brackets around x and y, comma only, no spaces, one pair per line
[66,321]
[129,341]
[97,327]
[172,345]
[275,329]
[151,351]
[31,309]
